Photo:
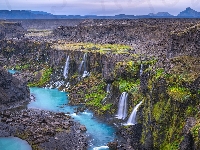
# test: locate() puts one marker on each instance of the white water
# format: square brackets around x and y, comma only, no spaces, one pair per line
[141,69]
[80,67]
[85,61]
[101,148]
[66,69]
[83,66]
[122,107]
[108,88]
[132,118]
[85,74]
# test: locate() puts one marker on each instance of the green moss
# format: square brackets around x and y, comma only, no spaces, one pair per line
[179,93]
[159,73]
[46,73]
[195,133]
[130,86]
[191,111]
[21,66]
[94,97]
[102,48]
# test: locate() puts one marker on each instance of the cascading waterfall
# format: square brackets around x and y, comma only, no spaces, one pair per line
[84,64]
[108,88]
[132,118]
[80,67]
[141,69]
[66,69]
[122,108]
[107,95]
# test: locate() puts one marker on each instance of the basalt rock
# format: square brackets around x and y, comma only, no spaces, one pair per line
[13,92]
[43,129]
[11,30]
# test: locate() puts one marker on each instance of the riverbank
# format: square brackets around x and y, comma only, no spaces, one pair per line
[43,129]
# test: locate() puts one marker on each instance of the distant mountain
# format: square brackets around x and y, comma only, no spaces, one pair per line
[28,14]
[161,14]
[189,13]
[24,14]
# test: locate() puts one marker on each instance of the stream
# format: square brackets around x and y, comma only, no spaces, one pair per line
[54,100]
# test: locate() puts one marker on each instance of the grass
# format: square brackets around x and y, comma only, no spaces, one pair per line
[102,48]
[46,73]
[179,93]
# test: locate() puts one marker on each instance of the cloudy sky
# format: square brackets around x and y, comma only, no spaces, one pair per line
[101,7]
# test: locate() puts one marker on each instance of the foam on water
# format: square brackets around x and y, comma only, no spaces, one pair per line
[101,148]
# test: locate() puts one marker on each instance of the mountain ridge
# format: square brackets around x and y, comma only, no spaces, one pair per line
[29,14]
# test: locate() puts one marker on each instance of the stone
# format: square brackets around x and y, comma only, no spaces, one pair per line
[83,128]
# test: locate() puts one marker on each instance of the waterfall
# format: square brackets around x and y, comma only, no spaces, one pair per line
[66,69]
[108,88]
[83,65]
[80,67]
[132,118]
[141,69]
[85,61]
[122,107]
[107,95]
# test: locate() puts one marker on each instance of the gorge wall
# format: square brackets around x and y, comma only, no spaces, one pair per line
[13,92]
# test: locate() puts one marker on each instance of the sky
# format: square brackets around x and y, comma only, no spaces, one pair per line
[101,7]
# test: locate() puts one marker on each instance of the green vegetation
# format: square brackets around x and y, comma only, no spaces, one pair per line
[46,73]
[102,48]
[129,86]
[95,96]
[195,133]
[22,67]
[179,93]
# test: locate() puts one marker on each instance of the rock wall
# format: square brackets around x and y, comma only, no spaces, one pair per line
[11,30]
[186,42]
[13,92]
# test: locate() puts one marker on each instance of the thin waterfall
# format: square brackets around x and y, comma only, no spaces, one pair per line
[122,107]
[108,88]
[66,69]
[85,61]
[83,67]
[107,95]
[85,72]
[141,69]
[132,118]
[80,67]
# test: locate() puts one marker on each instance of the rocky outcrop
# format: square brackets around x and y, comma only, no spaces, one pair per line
[13,92]
[186,42]
[11,30]
[151,37]
[43,129]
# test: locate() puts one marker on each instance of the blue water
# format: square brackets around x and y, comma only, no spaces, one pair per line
[53,100]
[12,71]
[13,143]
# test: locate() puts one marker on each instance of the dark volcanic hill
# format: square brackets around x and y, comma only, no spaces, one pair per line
[189,13]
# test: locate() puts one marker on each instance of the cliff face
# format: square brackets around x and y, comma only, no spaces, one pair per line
[11,30]
[13,92]
[186,42]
